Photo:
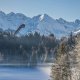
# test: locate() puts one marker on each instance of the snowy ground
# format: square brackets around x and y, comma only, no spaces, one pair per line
[10,73]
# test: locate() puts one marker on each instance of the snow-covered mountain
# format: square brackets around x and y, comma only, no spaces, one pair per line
[43,24]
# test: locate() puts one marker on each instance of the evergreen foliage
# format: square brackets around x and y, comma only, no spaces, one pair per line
[26,49]
[61,69]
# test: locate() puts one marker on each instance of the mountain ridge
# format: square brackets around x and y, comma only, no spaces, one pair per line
[42,23]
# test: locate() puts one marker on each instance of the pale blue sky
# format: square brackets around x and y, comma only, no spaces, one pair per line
[67,9]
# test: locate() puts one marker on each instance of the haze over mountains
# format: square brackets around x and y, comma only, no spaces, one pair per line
[43,24]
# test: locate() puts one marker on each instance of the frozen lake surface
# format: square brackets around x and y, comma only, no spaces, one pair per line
[20,73]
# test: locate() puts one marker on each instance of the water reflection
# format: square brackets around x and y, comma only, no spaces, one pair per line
[13,73]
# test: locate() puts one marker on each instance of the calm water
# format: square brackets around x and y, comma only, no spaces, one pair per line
[10,73]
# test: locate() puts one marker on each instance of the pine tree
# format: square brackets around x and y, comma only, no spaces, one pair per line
[61,69]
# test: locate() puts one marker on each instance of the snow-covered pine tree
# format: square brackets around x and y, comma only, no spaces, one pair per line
[61,68]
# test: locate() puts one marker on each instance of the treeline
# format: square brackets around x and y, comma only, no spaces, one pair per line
[28,49]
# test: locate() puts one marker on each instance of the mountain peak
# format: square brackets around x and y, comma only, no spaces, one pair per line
[2,13]
[44,16]
[77,21]
[61,20]
[41,17]
[21,15]
[11,13]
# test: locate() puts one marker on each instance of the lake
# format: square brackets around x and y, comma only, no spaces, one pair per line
[24,73]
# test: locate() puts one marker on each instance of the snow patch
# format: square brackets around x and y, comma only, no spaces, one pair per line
[76,32]
[41,17]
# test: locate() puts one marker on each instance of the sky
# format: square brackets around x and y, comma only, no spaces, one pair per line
[66,9]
